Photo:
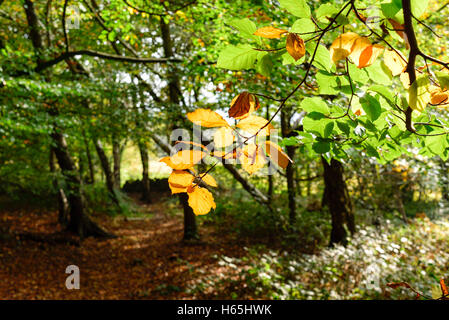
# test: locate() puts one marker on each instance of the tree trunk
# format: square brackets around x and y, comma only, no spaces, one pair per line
[190,228]
[89,159]
[338,201]
[79,221]
[63,204]
[145,172]
[107,172]
[286,130]
[117,157]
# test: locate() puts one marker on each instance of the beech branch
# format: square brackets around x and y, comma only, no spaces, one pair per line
[102,55]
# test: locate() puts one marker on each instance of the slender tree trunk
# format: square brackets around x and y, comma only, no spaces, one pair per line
[107,172]
[89,159]
[190,228]
[290,170]
[117,157]
[145,173]
[338,201]
[63,204]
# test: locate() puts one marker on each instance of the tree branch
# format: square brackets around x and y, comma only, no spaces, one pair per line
[102,55]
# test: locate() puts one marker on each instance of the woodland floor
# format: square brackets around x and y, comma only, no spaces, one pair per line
[148,259]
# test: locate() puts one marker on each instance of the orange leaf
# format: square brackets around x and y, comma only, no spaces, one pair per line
[341,48]
[200,200]
[243,105]
[270,32]
[295,46]
[207,118]
[184,159]
[363,53]
[444,290]
[253,124]
[277,155]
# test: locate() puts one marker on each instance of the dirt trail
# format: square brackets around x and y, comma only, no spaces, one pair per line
[147,261]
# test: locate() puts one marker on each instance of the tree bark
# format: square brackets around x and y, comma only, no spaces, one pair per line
[338,201]
[117,157]
[112,191]
[145,173]
[89,159]
[63,204]
[290,170]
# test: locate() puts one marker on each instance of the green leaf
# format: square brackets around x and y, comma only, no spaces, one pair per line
[237,58]
[298,8]
[322,58]
[436,144]
[383,91]
[377,73]
[419,7]
[316,122]
[314,104]
[325,12]
[304,27]
[371,106]
[321,147]
[246,27]
[264,65]
[443,79]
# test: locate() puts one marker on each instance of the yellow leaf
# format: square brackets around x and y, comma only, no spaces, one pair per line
[277,155]
[201,200]
[180,180]
[439,97]
[207,118]
[223,137]
[208,179]
[184,159]
[395,61]
[270,32]
[253,124]
[405,79]
[363,53]
[341,48]
[419,93]
[252,159]
[243,105]
[295,46]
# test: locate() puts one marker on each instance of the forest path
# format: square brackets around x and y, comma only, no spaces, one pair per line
[148,259]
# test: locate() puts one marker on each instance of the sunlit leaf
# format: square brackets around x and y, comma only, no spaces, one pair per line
[206,118]
[270,32]
[223,137]
[295,46]
[200,200]
[277,154]
[254,124]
